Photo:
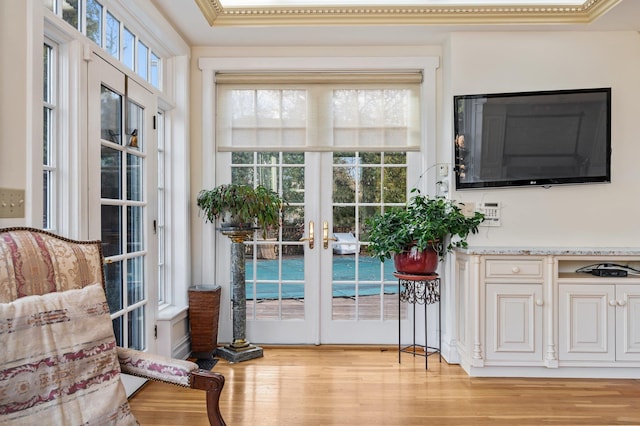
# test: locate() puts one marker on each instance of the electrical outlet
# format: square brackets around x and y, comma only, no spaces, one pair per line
[491,211]
[443,170]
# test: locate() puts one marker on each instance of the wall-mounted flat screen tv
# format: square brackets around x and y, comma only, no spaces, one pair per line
[533,138]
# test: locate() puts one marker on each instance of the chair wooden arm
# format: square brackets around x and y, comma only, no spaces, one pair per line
[178,372]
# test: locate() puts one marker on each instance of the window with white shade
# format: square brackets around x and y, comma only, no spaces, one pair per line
[319,115]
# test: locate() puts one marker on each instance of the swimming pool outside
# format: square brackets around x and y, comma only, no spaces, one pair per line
[369,277]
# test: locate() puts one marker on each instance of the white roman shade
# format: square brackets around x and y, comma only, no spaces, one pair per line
[312,111]
[310,77]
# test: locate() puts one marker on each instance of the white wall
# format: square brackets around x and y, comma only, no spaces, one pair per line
[20,90]
[599,215]
[13,89]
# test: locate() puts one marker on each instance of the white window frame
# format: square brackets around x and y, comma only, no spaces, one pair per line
[164,294]
[50,138]
[70,124]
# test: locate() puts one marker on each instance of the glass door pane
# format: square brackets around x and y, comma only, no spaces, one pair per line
[359,297]
[363,288]
[126,197]
[278,288]
[275,261]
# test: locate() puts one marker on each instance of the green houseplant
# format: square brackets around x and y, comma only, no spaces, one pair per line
[426,226]
[241,206]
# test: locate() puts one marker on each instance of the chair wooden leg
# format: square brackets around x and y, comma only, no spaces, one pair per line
[212,383]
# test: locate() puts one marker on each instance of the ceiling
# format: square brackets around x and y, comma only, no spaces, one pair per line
[383,22]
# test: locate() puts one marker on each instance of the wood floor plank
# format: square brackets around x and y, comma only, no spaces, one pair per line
[335,385]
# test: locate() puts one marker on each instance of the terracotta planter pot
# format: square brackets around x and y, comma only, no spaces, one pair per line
[416,262]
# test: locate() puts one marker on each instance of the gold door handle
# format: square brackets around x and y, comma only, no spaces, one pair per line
[325,235]
[311,238]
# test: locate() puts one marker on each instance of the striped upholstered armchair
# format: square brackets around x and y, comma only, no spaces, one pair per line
[59,363]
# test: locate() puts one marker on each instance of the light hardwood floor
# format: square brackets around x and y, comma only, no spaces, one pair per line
[329,385]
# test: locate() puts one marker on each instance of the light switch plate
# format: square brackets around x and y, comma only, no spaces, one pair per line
[11,203]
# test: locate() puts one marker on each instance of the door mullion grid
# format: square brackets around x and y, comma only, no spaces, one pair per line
[279,190]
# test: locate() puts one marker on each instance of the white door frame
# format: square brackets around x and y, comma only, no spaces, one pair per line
[428,65]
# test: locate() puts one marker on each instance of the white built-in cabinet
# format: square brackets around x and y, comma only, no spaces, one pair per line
[527,312]
[599,322]
[514,301]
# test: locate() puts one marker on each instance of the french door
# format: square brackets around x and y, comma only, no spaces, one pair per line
[313,281]
[122,198]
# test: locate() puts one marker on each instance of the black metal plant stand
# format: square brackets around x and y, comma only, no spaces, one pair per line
[419,290]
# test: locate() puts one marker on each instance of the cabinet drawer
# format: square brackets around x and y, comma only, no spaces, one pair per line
[499,268]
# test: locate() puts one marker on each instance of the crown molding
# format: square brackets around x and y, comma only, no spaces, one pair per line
[217,15]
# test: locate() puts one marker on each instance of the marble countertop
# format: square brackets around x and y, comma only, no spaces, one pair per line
[553,251]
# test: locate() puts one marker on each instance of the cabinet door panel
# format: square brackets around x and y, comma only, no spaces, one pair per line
[514,322]
[587,322]
[628,323]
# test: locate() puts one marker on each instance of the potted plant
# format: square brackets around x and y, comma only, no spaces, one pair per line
[424,231]
[241,206]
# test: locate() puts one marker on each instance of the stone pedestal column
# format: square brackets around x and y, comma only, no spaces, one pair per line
[240,349]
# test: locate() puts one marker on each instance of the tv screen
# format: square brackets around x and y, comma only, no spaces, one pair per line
[533,138]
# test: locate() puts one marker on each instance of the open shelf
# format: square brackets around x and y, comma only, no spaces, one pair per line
[568,265]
